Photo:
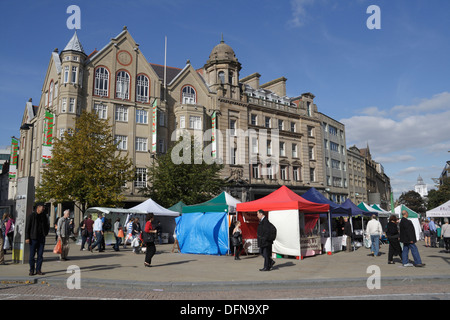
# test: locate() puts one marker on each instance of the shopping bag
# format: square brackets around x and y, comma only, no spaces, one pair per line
[120,234]
[58,247]
[344,240]
[367,241]
[135,242]
[6,244]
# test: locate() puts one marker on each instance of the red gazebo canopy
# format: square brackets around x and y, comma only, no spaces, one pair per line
[282,199]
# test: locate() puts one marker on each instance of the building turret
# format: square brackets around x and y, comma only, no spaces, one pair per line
[222,71]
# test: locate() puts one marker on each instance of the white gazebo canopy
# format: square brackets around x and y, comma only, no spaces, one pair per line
[441,211]
[151,206]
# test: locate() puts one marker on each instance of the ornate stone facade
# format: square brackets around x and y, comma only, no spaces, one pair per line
[120,85]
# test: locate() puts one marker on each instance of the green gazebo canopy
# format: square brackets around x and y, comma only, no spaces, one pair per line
[224,202]
[178,207]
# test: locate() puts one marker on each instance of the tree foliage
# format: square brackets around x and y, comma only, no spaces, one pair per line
[192,182]
[413,200]
[439,196]
[86,167]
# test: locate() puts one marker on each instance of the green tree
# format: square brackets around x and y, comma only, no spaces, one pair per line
[439,196]
[86,167]
[412,200]
[192,181]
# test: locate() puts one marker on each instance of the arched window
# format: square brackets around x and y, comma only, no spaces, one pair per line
[188,95]
[123,85]
[50,97]
[222,77]
[142,89]
[101,85]
[230,77]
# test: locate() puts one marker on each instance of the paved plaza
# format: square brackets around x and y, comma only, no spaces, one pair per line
[172,270]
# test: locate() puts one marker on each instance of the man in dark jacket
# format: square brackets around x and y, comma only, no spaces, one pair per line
[348,232]
[408,237]
[36,230]
[264,241]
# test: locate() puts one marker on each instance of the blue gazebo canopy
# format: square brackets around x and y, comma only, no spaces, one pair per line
[356,211]
[336,210]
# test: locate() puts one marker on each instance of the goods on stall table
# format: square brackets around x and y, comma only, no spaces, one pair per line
[251,246]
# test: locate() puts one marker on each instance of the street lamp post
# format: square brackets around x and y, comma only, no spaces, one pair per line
[24,206]
[26,127]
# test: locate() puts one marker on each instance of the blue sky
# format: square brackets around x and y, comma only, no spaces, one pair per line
[390,87]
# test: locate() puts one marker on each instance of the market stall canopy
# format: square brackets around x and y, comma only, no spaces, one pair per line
[441,211]
[378,208]
[151,206]
[411,214]
[105,210]
[336,210]
[356,211]
[282,199]
[367,208]
[224,202]
[178,207]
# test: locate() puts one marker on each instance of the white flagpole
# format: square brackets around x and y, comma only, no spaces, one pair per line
[165,68]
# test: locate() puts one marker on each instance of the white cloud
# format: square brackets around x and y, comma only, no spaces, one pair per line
[299,13]
[417,134]
[395,159]
[438,102]
[410,170]
[373,111]
[429,131]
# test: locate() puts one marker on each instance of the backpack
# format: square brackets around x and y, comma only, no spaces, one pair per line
[272,232]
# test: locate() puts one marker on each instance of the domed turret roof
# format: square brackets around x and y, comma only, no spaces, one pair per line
[222,52]
[420,180]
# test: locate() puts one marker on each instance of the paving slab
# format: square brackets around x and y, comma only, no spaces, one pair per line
[177,270]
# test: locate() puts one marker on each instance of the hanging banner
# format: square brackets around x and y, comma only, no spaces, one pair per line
[154,128]
[213,134]
[47,144]
[14,157]
[392,203]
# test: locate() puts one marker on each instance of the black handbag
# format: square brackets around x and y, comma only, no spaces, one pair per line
[148,237]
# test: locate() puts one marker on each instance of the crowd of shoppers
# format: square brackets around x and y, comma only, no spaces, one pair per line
[401,236]
[397,232]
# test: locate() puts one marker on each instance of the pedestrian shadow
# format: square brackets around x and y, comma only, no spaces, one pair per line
[172,263]
[446,259]
[253,256]
[87,268]
[74,259]
[379,254]
[283,265]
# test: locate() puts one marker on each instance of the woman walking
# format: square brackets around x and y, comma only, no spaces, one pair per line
[426,233]
[445,233]
[393,236]
[149,236]
[236,240]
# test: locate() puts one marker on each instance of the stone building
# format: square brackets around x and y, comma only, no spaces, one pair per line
[356,176]
[445,174]
[335,159]
[378,184]
[265,138]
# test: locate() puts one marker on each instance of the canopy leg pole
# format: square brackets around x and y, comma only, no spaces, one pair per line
[330,233]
